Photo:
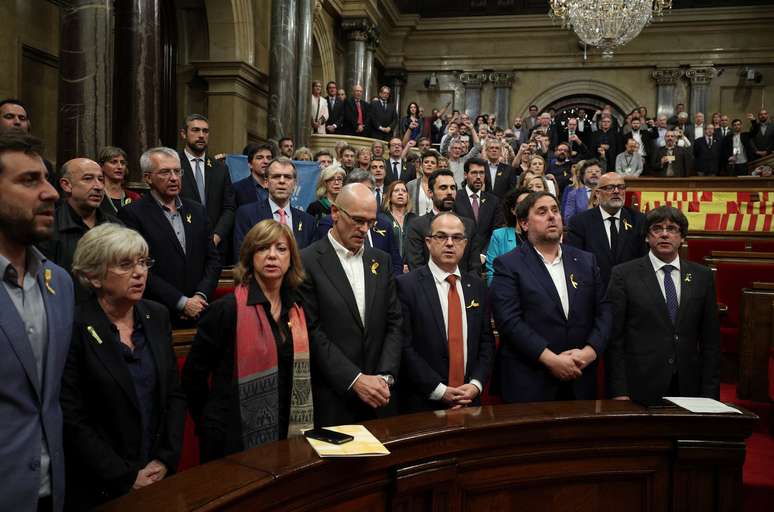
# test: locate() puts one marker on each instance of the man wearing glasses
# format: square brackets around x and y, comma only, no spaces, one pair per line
[179,238]
[612,232]
[448,347]
[666,334]
[353,316]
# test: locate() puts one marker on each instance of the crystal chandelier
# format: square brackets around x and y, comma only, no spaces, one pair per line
[606,24]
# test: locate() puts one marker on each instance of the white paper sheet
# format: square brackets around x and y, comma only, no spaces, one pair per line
[703,405]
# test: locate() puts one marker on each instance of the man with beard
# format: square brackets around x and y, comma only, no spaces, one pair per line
[36,315]
[253,188]
[576,199]
[443,191]
[520,134]
[629,163]
[736,148]
[478,204]
[560,166]
[672,160]
[549,307]
[644,140]
[335,104]
[606,143]
[576,139]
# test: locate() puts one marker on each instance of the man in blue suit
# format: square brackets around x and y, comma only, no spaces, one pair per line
[281,179]
[36,315]
[253,188]
[549,307]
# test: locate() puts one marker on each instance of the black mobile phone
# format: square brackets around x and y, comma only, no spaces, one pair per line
[328,436]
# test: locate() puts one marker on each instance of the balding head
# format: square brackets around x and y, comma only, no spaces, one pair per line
[611,192]
[83,182]
[353,213]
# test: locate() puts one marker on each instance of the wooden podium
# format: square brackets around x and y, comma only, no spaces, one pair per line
[581,456]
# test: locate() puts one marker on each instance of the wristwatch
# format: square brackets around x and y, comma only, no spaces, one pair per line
[389,379]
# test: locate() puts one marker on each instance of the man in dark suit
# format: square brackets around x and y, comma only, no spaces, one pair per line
[671,159]
[207,181]
[443,192]
[395,166]
[333,123]
[707,153]
[253,188]
[666,334]
[36,316]
[281,177]
[353,316]
[500,177]
[178,233]
[444,365]
[644,138]
[355,114]
[606,143]
[475,203]
[549,308]
[383,116]
[611,232]
[736,148]
[761,135]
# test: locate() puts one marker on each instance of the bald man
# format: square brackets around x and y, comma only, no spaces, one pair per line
[353,316]
[356,114]
[83,186]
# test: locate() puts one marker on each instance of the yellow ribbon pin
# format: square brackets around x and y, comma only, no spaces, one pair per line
[188,218]
[47,276]
[375,268]
[300,225]
[473,304]
[94,334]
[209,163]
[381,232]
[688,278]
[573,282]
[626,224]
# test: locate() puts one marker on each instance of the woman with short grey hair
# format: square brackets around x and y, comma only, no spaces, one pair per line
[121,399]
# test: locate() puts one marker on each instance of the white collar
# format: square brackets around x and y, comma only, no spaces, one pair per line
[342,251]
[470,192]
[658,264]
[545,261]
[606,215]
[191,157]
[439,274]
[275,207]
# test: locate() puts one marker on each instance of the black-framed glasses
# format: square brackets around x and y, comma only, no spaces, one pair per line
[657,229]
[126,266]
[611,188]
[443,237]
[359,221]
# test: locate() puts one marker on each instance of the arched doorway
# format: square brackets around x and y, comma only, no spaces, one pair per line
[569,106]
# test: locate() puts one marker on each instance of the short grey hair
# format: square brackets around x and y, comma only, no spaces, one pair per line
[105,245]
[146,164]
[326,174]
[360,176]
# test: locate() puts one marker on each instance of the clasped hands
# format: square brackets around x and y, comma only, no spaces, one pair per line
[457,398]
[568,365]
[373,390]
[154,471]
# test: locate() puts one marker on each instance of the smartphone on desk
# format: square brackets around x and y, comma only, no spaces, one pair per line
[328,436]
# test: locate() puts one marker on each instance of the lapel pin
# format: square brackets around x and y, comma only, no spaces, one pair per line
[473,304]
[573,282]
[300,225]
[48,275]
[209,163]
[380,232]
[500,173]
[687,278]
[147,317]
[188,218]
[94,334]
[375,268]
[626,224]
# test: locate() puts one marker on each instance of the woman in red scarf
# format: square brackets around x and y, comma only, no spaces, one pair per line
[253,346]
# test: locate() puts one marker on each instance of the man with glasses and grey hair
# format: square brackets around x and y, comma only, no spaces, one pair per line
[179,236]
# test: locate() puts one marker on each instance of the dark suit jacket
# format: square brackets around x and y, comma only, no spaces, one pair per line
[407,172]
[505,179]
[490,215]
[217,187]
[761,142]
[29,404]
[727,148]
[382,235]
[587,232]
[341,344]
[706,157]
[417,255]
[246,191]
[529,317]
[613,139]
[647,140]
[645,347]
[425,362]
[102,423]
[334,114]
[176,273]
[682,166]
[349,118]
[382,116]
[251,214]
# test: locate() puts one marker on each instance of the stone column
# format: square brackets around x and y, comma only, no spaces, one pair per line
[665,89]
[472,82]
[502,81]
[396,80]
[85,78]
[137,92]
[699,78]
[303,116]
[283,84]
[372,43]
[357,31]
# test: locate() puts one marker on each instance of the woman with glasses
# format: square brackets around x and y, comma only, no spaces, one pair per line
[328,187]
[122,404]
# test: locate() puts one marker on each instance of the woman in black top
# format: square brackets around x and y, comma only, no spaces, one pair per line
[328,187]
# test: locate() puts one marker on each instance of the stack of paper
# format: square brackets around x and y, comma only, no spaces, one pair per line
[364,444]
[702,405]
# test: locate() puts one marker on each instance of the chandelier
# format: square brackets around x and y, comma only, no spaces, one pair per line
[606,24]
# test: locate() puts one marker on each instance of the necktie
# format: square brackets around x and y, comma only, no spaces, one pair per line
[359,112]
[613,236]
[378,197]
[395,170]
[283,216]
[670,292]
[709,141]
[199,177]
[456,354]
[384,106]
[474,205]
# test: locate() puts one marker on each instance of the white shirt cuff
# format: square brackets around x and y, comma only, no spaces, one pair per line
[478,385]
[438,392]
[355,380]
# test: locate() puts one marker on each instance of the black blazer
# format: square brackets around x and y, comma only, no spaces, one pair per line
[645,347]
[382,236]
[416,254]
[682,166]
[176,273]
[505,179]
[706,157]
[349,118]
[220,194]
[407,172]
[425,361]
[728,147]
[246,192]
[613,139]
[341,344]
[251,214]
[587,231]
[490,215]
[334,114]
[102,422]
[382,116]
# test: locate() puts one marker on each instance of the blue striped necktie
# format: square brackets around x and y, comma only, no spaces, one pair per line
[670,292]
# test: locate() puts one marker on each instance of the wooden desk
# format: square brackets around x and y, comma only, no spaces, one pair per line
[756,336]
[582,456]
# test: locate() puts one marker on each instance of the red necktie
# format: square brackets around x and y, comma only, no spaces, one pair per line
[359,112]
[283,216]
[456,354]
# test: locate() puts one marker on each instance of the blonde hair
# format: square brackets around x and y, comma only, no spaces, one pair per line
[326,174]
[387,198]
[537,157]
[102,246]
[261,236]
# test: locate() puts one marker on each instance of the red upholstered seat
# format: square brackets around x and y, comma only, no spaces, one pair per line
[699,248]
[190,454]
[220,291]
[761,245]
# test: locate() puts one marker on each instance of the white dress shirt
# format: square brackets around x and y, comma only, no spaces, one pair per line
[192,161]
[606,222]
[425,202]
[556,271]
[390,170]
[698,131]
[675,274]
[442,287]
[469,193]
[275,208]
[492,172]
[353,268]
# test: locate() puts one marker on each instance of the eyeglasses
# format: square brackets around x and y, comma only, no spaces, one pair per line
[657,229]
[335,179]
[126,266]
[442,238]
[359,221]
[166,173]
[611,188]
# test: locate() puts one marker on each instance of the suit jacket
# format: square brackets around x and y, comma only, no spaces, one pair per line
[646,348]
[529,317]
[334,113]
[341,344]
[706,157]
[349,118]
[682,166]
[246,191]
[728,147]
[407,172]
[104,450]
[382,236]
[382,116]
[574,200]
[177,273]
[647,140]
[587,231]
[425,361]
[251,214]
[490,215]
[505,179]
[220,194]
[416,252]
[613,139]
[29,408]
[761,142]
